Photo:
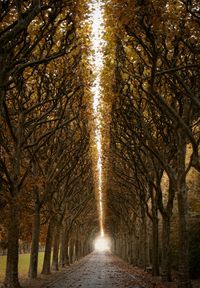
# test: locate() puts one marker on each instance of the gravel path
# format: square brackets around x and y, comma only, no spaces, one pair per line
[97,270]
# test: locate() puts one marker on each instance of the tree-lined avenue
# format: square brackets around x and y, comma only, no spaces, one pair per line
[99,138]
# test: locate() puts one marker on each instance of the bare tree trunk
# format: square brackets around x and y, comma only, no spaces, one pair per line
[184,278]
[141,246]
[81,249]
[66,249]
[56,244]
[85,247]
[137,250]
[146,244]
[64,253]
[11,277]
[76,252]
[71,251]
[35,242]
[155,248]
[155,234]
[166,259]
[143,256]
[62,243]
[114,246]
[125,246]
[47,255]
[129,247]
[166,225]
[120,254]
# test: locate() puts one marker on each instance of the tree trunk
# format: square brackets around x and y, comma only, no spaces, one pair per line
[146,244]
[81,249]
[143,256]
[184,278]
[64,253]
[114,247]
[124,247]
[66,249]
[56,249]
[155,249]
[130,248]
[47,254]
[137,250]
[35,243]
[85,248]
[11,277]
[71,251]
[166,259]
[119,245]
[76,252]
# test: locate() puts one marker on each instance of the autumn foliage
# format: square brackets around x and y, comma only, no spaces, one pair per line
[150,134]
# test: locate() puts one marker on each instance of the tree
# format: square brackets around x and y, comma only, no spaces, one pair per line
[29,116]
[158,109]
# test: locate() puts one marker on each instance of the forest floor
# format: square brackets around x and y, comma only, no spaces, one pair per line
[100,270]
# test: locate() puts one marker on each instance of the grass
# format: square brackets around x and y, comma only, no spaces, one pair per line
[23,265]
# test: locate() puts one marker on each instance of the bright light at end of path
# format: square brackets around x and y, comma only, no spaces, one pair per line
[96,19]
[102,244]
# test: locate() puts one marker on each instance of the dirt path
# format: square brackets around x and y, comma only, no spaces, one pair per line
[100,270]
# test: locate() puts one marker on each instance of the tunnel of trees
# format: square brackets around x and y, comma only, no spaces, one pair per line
[151,84]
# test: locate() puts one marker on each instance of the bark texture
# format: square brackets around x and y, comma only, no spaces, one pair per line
[46,269]
[11,277]
[35,243]
[56,244]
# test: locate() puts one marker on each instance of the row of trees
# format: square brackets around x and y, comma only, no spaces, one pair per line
[155,132]
[45,167]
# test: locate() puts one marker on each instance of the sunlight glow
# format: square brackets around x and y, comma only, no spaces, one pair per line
[96,61]
[102,244]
